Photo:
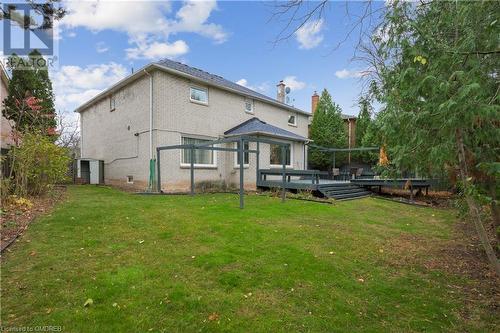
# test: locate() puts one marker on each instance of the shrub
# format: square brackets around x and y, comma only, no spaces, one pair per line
[37,165]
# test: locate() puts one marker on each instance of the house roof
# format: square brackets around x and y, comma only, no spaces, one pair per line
[195,74]
[255,126]
[348,116]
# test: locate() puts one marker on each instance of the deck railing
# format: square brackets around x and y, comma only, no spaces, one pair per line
[313,175]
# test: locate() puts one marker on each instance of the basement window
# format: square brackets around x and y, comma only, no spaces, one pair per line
[130,179]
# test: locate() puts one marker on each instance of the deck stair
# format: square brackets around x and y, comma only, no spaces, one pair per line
[343,191]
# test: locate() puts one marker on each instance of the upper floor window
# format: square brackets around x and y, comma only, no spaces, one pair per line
[292,120]
[112,103]
[198,95]
[249,105]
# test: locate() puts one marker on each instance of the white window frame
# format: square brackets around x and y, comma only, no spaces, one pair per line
[198,88]
[288,166]
[251,101]
[130,179]
[197,165]
[294,124]
[236,162]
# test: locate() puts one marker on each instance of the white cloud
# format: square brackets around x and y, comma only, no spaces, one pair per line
[242,82]
[157,50]
[193,16]
[74,85]
[349,74]
[147,23]
[263,87]
[101,47]
[309,35]
[294,84]
[129,16]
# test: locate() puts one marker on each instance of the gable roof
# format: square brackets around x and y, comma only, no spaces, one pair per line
[196,74]
[255,126]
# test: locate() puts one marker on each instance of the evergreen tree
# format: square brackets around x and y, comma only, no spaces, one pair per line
[30,103]
[364,119]
[327,130]
[438,71]
[362,124]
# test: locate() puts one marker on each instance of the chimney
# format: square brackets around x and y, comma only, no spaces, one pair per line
[314,102]
[281,92]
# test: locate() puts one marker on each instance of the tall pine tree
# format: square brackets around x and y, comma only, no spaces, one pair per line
[30,103]
[327,130]
[364,119]
[363,123]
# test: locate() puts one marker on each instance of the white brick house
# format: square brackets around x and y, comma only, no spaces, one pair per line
[168,103]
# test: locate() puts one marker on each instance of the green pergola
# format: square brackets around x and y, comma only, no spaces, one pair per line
[210,145]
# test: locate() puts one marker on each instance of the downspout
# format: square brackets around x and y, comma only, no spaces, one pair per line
[152,162]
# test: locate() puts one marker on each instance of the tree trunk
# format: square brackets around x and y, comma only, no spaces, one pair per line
[473,209]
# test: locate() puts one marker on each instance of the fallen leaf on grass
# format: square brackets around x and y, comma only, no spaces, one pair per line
[88,302]
[361,280]
[33,253]
[141,241]
[213,316]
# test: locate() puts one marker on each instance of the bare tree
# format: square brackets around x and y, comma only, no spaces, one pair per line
[50,10]
[69,132]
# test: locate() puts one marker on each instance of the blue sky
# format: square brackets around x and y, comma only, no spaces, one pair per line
[233,39]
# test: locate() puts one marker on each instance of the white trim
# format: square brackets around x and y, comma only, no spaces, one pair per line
[198,88]
[196,165]
[294,124]
[288,166]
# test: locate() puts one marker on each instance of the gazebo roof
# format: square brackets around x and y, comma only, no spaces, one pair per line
[255,126]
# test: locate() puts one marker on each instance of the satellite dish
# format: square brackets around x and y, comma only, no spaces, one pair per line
[287,90]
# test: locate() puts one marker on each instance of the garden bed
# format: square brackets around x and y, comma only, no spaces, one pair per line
[18,213]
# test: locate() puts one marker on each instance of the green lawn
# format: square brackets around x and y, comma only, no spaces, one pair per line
[189,264]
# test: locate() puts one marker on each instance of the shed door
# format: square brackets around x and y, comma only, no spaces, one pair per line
[94,172]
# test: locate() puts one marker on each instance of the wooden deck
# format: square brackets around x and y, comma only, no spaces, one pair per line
[310,180]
